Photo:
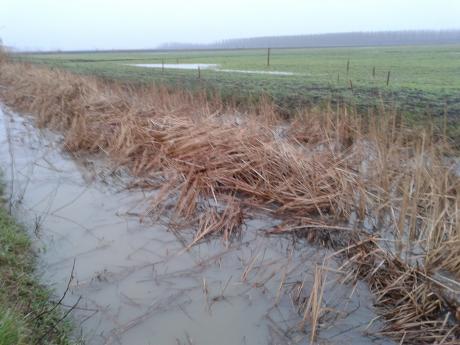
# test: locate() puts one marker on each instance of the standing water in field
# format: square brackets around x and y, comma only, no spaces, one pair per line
[177,66]
[213,67]
[134,279]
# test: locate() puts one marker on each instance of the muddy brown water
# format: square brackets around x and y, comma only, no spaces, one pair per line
[136,283]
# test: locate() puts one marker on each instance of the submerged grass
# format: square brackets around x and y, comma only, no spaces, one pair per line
[27,315]
[382,193]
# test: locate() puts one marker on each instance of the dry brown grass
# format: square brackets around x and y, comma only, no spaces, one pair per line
[185,138]
[316,172]
[411,195]
[313,309]
[415,305]
[3,54]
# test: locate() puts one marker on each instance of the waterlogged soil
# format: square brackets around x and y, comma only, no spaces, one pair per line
[134,280]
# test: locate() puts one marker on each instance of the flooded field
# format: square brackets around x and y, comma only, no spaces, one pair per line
[214,67]
[176,66]
[256,72]
[135,279]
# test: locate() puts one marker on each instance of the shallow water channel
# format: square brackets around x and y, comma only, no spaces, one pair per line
[135,282]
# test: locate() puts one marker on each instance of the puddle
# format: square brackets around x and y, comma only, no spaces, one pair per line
[256,72]
[213,67]
[176,66]
[137,284]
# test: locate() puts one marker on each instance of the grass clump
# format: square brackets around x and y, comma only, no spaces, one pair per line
[12,328]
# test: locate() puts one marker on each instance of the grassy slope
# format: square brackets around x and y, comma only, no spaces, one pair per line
[24,303]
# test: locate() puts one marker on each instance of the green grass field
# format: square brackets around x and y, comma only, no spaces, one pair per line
[423,79]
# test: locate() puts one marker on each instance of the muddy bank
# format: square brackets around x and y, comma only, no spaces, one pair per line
[137,283]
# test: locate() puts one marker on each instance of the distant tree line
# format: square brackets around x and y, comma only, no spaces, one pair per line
[349,39]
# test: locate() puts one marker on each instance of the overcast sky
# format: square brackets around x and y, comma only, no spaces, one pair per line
[111,24]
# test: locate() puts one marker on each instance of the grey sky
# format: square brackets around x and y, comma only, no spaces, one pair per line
[109,24]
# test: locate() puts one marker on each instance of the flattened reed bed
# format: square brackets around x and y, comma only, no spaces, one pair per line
[315,172]
[182,137]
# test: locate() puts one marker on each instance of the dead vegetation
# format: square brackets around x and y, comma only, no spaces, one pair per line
[383,195]
[3,53]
